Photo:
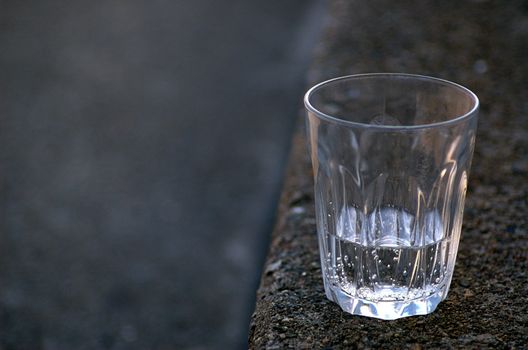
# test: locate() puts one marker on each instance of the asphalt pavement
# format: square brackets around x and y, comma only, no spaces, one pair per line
[142,149]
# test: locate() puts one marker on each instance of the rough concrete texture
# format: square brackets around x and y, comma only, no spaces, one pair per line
[480,44]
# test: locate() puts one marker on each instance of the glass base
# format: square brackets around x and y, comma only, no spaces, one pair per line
[386,310]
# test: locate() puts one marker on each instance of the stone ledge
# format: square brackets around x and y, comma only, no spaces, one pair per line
[483,45]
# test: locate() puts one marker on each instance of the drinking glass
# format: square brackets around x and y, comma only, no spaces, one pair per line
[391,155]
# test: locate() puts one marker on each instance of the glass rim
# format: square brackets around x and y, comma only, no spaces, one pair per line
[456,119]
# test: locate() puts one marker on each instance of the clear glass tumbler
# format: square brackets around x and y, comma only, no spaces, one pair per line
[391,155]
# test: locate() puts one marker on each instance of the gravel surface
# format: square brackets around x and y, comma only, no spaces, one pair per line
[484,46]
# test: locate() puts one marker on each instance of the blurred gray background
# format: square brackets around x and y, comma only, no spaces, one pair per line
[142,148]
